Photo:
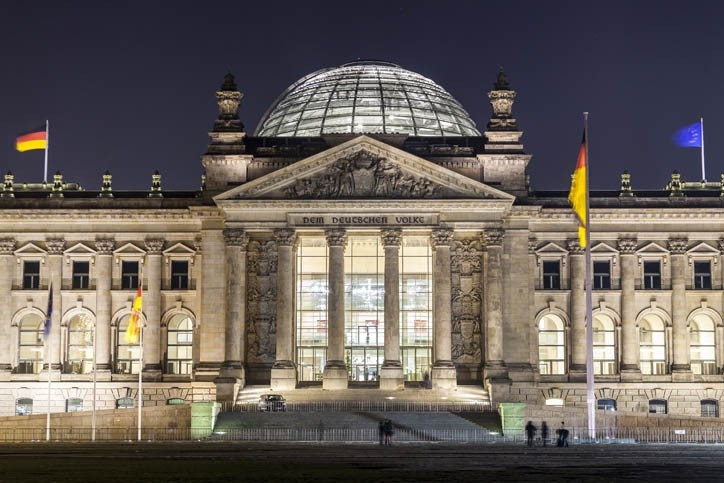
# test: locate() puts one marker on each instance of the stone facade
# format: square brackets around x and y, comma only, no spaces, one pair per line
[505,277]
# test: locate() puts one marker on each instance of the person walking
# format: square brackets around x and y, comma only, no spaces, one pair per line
[562,433]
[381,430]
[530,431]
[389,431]
[544,433]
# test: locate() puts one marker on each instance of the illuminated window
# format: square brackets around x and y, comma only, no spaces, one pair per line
[23,406]
[702,340]
[180,345]
[555,402]
[416,307]
[30,357]
[73,404]
[126,354]
[125,403]
[551,346]
[311,307]
[652,339]
[80,345]
[604,345]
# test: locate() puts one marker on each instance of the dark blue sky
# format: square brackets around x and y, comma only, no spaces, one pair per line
[129,86]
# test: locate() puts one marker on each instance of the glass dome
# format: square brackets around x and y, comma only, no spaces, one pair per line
[366,97]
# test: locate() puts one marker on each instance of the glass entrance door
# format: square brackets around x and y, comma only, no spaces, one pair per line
[364,363]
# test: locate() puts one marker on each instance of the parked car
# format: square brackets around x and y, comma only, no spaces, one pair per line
[272,402]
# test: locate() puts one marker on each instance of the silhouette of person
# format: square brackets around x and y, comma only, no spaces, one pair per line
[544,433]
[530,431]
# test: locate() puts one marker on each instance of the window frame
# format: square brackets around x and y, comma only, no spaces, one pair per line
[709,403]
[656,404]
[651,285]
[709,275]
[128,275]
[176,276]
[75,275]
[553,278]
[608,276]
[34,282]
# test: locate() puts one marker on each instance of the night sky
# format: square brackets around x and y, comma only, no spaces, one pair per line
[129,86]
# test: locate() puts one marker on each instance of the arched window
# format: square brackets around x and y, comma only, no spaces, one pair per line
[23,406]
[30,356]
[125,403]
[126,354]
[180,341]
[604,345]
[652,337]
[551,345]
[607,404]
[702,340]
[174,401]
[709,408]
[80,345]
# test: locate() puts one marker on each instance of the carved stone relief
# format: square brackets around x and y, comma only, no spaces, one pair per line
[261,301]
[467,299]
[362,175]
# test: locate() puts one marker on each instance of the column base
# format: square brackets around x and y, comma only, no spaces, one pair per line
[630,373]
[103,374]
[227,388]
[283,376]
[681,373]
[206,371]
[577,373]
[152,373]
[335,376]
[496,370]
[444,375]
[54,375]
[391,378]
[5,372]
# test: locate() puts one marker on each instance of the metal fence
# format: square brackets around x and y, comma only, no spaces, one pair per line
[18,435]
[384,405]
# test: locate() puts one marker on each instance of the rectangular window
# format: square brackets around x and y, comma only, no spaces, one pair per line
[81,274]
[652,274]
[702,275]
[179,274]
[31,275]
[552,274]
[129,275]
[601,275]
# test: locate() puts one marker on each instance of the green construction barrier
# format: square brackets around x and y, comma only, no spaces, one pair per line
[512,417]
[203,418]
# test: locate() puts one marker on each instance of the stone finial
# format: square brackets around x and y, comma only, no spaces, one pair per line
[532,245]
[236,237]
[7,246]
[105,246]
[574,246]
[155,185]
[493,237]
[391,237]
[721,245]
[441,237]
[198,244]
[285,236]
[154,245]
[625,185]
[8,186]
[55,246]
[677,245]
[501,99]
[675,185]
[336,237]
[106,188]
[626,246]
[228,98]
[57,189]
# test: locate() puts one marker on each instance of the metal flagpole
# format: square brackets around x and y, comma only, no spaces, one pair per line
[49,342]
[47,145]
[95,350]
[50,358]
[703,169]
[590,397]
[140,357]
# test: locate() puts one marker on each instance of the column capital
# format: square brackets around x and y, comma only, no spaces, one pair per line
[721,245]
[198,244]
[574,246]
[441,237]
[285,236]
[336,237]
[236,237]
[7,246]
[493,237]
[154,245]
[677,245]
[55,246]
[627,246]
[105,246]
[532,245]
[391,237]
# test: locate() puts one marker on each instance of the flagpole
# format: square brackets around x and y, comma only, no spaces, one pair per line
[95,351]
[47,145]
[590,397]
[140,358]
[703,169]
[50,355]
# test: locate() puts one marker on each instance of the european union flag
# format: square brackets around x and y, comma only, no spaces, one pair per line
[689,136]
[47,323]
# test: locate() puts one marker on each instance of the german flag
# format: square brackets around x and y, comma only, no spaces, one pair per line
[133,332]
[35,139]
[578,196]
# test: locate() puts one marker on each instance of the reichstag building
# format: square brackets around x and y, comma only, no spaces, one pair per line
[366,234]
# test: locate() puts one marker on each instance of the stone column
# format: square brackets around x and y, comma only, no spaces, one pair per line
[103,274]
[630,348]
[7,259]
[391,376]
[55,268]
[152,310]
[444,375]
[533,310]
[577,265]
[335,370]
[232,369]
[494,362]
[681,366]
[284,371]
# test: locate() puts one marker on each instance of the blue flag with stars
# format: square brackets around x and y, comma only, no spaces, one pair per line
[689,136]
[46,325]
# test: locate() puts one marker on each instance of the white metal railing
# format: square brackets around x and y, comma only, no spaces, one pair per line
[384,405]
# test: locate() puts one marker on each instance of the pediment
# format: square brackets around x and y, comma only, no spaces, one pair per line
[702,249]
[652,249]
[179,249]
[30,249]
[603,249]
[551,249]
[364,168]
[79,249]
[129,249]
